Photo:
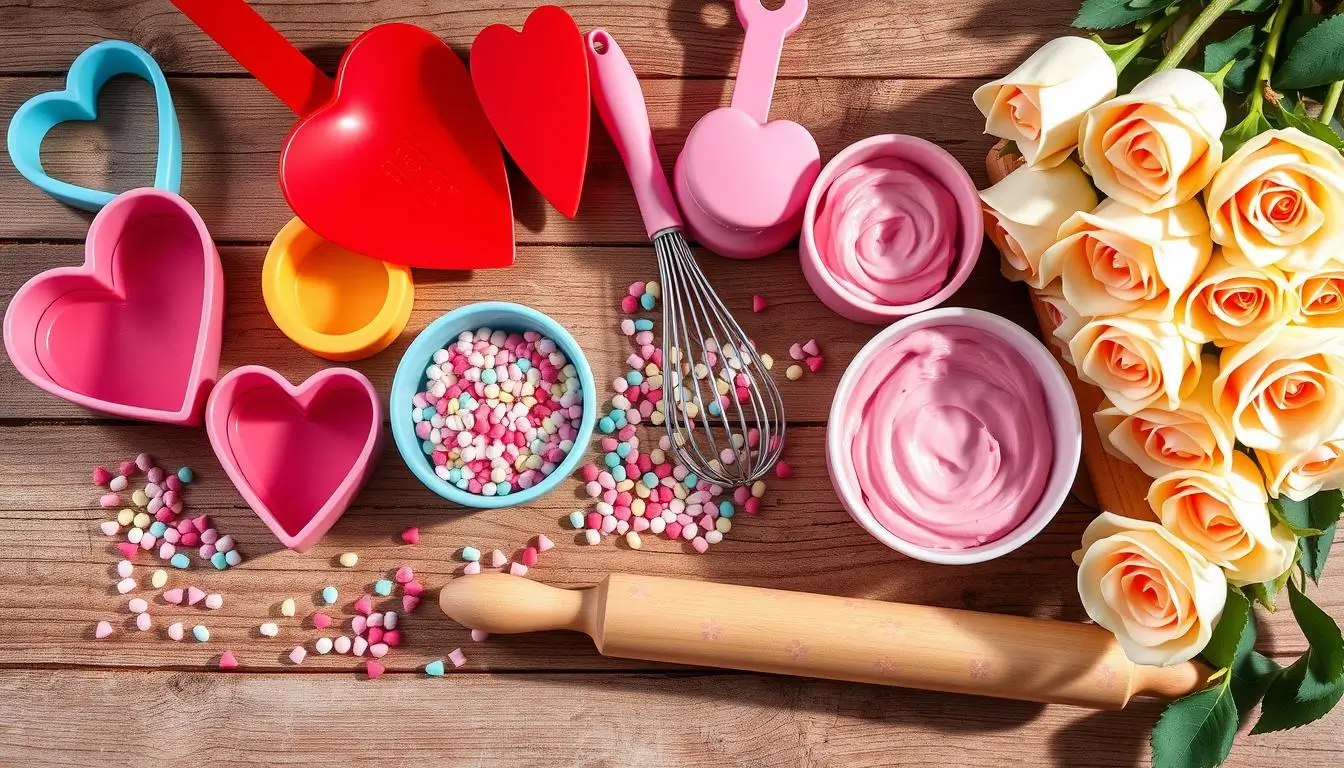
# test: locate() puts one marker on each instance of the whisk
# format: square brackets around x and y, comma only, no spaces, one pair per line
[723,412]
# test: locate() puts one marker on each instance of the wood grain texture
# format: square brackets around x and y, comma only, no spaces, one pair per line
[668,38]
[544,721]
[233,129]
[550,279]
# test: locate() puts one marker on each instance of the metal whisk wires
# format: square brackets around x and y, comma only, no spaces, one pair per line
[724,415]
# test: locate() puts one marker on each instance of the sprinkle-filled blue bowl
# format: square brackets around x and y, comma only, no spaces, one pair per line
[496,315]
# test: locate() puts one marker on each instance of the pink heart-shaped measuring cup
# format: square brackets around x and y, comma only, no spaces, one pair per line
[747,174]
[298,454]
[135,331]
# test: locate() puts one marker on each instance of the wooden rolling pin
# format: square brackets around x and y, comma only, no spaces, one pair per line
[796,633]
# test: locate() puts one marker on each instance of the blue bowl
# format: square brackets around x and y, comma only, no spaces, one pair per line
[496,315]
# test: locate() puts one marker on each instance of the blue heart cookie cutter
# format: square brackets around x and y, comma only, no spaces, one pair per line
[79,101]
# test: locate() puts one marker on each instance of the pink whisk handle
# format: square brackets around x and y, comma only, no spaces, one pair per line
[620,103]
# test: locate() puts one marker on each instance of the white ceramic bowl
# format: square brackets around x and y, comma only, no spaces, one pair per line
[1065,428]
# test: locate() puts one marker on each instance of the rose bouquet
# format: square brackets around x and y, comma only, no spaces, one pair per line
[1175,203]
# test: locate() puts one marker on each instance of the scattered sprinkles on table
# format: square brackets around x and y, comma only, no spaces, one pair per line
[499,411]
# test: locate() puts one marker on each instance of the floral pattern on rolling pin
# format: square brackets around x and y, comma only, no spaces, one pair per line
[979,669]
[795,649]
[884,665]
[711,629]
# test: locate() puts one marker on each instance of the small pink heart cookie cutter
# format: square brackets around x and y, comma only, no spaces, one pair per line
[741,179]
[134,331]
[298,454]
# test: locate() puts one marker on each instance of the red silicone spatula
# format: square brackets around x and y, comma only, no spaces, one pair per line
[395,159]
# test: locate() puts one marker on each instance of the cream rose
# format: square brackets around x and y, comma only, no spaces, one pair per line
[1064,320]
[1320,297]
[1284,391]
[1040,104]
[1159,596]
[1136,362]
[1115,260]
[1299,475]
[1160,439]
[1279,199]
[1233,303]
[1225,517]
[1024,210]
[1157,146]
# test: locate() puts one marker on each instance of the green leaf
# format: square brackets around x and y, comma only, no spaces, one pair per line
[1326,646]
[1109,14]
[1196,731]
[1253,125]
[1250,678]
[1294,515]
[1324,508]
[1295,697]
[1315,58]
[1221,649]
[1314,550]
[1252,6]
[1237,51]
[1303,123]
[1135,72]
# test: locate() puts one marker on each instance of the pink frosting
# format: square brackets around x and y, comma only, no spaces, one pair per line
[887,231]
[949,436]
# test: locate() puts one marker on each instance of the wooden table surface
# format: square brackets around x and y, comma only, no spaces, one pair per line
[855,68]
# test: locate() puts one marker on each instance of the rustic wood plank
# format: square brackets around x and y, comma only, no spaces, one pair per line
[57,566]
[632,721]
[547,278]
[845,38]
[233,129]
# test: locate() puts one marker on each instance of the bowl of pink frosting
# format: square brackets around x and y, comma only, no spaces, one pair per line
[954,436]
[892,227]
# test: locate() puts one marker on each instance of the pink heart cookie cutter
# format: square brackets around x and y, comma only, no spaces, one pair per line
[134,331]
[298,454]
[741,179]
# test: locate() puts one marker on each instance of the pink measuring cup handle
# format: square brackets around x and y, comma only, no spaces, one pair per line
[620,103]
[761,49]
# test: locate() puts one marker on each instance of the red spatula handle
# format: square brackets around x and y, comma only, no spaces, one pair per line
[262,50]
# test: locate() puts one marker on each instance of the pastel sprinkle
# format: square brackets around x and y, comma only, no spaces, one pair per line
[195,595]
[359,646]
[125,585]
[269,629]
[323,645]
[143,461]
[109,500]
[409,603]
[287,607]
[472,568]
[796,351]
[186,475]
[783,470]
[544,544]
[758,304]
[143,622]
[109,527]
[179,560]
[434,668]
[404,575]
[101,476]
[173,596]
[411,535]
[214,601]
[175,631]
[528,556]
[413,588]
[118,483]
[233,557]
[341,644]
[517,569]
[811,348]
[298,654]
[794,372]
[498,559]
[201,633]
[457,657]
[321,620]
[349,559]
[378,650]
[329,595]
[383,587]
[128,549]
[373,669]
[104,628]
[479,635]
[364,605]
[137,605]
[228,661]
[471,554]
[125,568]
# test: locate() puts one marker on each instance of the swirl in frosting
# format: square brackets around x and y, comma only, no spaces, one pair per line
[888,231]
[950,437]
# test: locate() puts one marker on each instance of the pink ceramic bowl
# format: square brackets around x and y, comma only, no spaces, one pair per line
[134,331]
[298,454]
[1065,426]
[941,166]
